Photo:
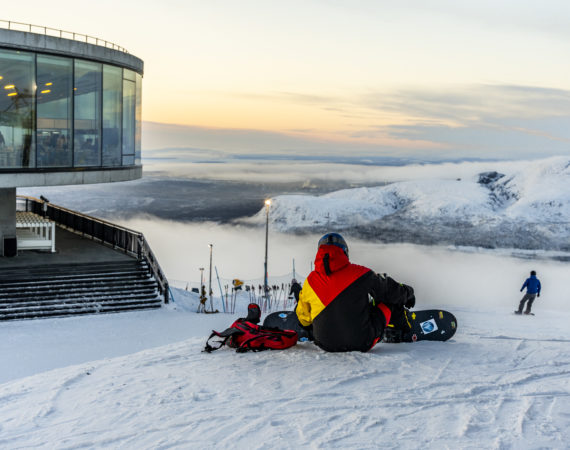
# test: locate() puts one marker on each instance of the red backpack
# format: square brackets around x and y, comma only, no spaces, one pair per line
[245,335]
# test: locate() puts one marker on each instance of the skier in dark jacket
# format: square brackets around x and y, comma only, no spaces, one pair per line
[532,285]
[295,289]
[349,306]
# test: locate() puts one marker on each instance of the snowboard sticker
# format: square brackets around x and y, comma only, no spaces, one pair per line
[432,325]
[287,320]
[429,326]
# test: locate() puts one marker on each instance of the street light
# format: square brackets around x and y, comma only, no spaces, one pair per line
[210,286]
[267,205]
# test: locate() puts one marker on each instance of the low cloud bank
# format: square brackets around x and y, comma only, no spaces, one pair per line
[299,171]
[441,276]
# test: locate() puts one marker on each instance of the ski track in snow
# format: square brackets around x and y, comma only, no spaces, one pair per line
[482,389]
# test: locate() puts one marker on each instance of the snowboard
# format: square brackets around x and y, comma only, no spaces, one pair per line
[432,325]
[427,325]
[524,314]
[287,320]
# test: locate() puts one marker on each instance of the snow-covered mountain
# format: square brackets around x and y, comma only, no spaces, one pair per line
[524,206]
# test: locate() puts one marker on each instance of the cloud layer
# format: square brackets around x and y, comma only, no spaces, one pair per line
[477,121]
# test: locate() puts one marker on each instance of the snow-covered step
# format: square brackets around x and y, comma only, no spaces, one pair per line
[78,285]
[75,297]
[60,290]
[37,274]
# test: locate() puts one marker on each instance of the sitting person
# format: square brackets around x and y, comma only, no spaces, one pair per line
[349,306]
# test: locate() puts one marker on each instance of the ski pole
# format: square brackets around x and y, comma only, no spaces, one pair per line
[220,284]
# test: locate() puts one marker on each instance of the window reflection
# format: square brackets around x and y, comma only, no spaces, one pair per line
[17,112]
[87,96]
[64,112]
[54,81]
[138,119]
[112,115]
[129,117]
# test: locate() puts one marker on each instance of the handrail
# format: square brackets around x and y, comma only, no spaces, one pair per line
[47,31]
[130,241]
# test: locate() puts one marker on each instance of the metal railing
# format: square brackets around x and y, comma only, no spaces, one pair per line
[40,29]
[120,238]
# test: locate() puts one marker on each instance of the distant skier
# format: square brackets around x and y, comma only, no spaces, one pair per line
[350,306]
[532,285]
[295,289]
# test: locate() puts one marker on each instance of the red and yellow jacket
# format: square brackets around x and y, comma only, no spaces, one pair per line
[340,300]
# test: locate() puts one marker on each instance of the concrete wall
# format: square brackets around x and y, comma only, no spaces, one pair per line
[7,215]
[20,40]
[70,176]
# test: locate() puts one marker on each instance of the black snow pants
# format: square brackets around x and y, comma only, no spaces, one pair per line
[530,298]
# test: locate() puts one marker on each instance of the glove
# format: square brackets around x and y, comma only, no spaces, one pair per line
[538,295]
[411,300]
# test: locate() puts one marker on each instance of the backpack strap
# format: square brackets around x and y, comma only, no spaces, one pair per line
[226,334]
[245,346]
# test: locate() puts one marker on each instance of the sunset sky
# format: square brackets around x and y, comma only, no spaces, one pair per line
[438,79]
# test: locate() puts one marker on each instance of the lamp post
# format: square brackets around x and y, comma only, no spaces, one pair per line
[267,205]
[210,285]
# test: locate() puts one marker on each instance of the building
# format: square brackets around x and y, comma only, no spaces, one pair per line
[70,113]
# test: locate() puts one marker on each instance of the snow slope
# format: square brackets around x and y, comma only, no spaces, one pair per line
[526,207]
[503,381]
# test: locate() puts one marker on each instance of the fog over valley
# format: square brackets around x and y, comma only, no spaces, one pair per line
[522,205]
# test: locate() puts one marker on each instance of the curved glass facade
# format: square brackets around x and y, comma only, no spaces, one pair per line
[63,112]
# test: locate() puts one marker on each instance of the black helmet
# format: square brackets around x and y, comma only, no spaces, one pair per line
[334,239]
[533,272]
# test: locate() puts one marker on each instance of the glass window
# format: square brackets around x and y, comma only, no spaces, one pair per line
[129,116]
[17,113]
[138,118]
[64,112]
[87,94]
[54,88]
[112,115]
[129,75]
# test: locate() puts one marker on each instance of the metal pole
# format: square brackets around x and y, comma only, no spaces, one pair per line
[267,204]
[220,285]
[210,285]
[294,268]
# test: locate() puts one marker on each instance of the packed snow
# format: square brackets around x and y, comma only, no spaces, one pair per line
[526,207]
[141,380]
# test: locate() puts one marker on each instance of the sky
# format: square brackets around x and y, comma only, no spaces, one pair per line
[428,80]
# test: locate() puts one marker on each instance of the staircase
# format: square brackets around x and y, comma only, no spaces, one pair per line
[70,289]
